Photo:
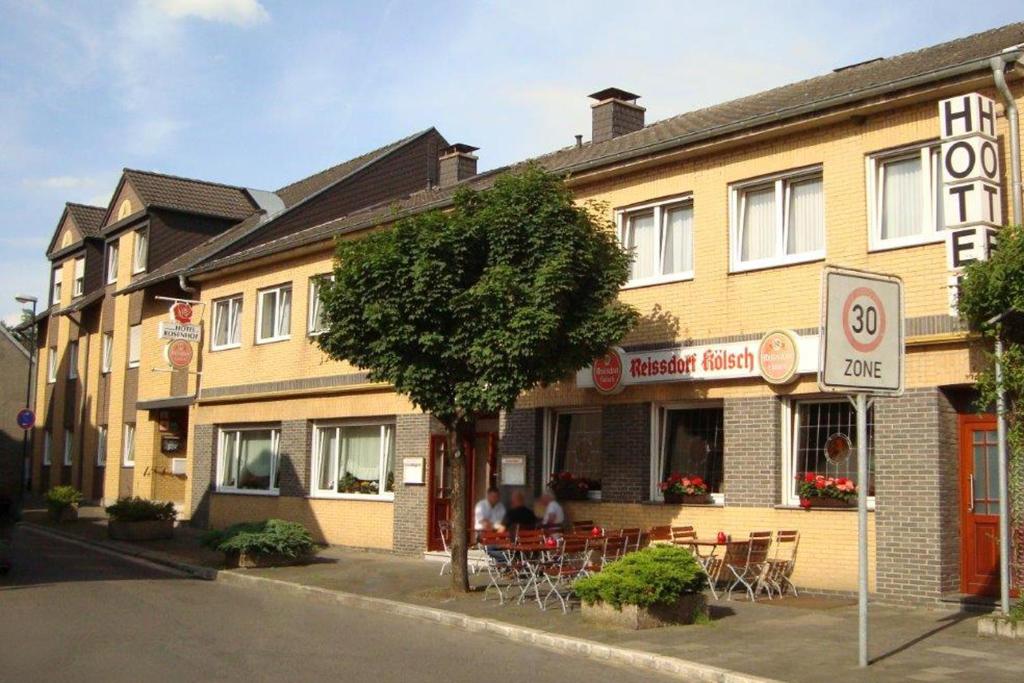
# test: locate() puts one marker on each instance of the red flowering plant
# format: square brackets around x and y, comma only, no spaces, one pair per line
[812,485]
[684,485]
[565,486]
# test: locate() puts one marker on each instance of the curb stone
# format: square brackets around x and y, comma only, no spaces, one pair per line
[679,668]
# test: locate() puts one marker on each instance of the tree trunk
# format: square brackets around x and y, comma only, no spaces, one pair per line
[459,437]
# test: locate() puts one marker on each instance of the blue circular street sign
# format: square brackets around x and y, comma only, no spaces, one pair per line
[26,418]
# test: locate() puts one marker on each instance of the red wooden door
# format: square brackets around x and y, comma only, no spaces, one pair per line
[481,467]
[979,505]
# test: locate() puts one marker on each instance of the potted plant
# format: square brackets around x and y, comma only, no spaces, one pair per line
[593,489]
[62,502]
[689,489]
[270,543]
[565,486]
[138,519]
[656,586]
[350,484]
[817,490]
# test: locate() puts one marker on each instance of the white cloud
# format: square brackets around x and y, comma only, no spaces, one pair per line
[242,13]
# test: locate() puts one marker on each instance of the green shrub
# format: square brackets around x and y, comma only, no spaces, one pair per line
[60,498]
[1017,611]
[137,509]
[272,536]
[658,575]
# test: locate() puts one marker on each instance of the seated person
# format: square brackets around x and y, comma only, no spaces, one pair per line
[553,517]
[519,515]
[489,512]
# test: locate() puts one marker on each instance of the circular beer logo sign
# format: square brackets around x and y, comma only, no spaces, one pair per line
[178,354]
[182,312]
[607,372]
[778,356]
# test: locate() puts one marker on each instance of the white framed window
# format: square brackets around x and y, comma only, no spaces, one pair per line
[660,236]
[51,364]
[688,439]
[112,262]
[314,322]
[573,443]
[69,441]
[101,446]
[107,357]
[73,360]
[141,251]
[354,460]
[247,460]
[806,427]
[128,447]
[79,286]
[777,221]
[47,448]
[55,290]
[227,321]
[905,197]
[134,345]
[274,314]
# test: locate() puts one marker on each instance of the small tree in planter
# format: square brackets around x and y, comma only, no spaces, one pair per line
[690,489]
[271,543]
[817,490]
[138,519]
[62,502]
[656,586]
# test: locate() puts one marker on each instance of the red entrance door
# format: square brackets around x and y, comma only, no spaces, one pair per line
[979,505]
[481,467]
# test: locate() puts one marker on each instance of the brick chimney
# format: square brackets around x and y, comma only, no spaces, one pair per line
[615,113]
[456,163]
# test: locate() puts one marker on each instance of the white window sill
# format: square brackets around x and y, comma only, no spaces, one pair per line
[226,347]
[51,381]
[47,464]
[905,242]
[765,264]
[133,365]
[105,371]
[658,280]
[247,492]
[128,464]
[138,272]
[272,340]
[795,505]
[376,497]
[315,333]
[112,282]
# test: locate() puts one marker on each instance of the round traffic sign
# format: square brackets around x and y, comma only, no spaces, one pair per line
[864,319]
[26,418]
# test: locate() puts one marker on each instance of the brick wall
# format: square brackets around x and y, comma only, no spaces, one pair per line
[203,473]
[625,441]
[412,440]
[752,451]
[521,432]
[296,453]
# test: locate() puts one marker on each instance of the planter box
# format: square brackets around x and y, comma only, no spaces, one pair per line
[148,530]
[822,502]
[1000,627]
[684,611]
[684,499]
[262,560]
[68,514]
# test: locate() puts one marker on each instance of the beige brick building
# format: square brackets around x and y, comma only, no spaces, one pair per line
[732,212]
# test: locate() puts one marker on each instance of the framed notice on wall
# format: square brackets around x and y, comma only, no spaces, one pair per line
[412,471]
[513,470]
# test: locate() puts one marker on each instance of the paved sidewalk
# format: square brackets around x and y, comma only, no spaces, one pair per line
[793,639]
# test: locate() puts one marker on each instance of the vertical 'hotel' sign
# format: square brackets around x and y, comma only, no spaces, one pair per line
[972,199]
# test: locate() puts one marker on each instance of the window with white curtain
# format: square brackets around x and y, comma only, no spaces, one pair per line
[79,286]
[274,314]
[47,448]
[51,364]
[227,316]
[69,443]
[315,322]
[73,360]
[141,250]
[55,290]
[778,220]
[107,358]
[134,345]
[688,440]
[354,459]
[248,460]
[101,446]
[660,237]
[112,262]
[905,197]
[128,447]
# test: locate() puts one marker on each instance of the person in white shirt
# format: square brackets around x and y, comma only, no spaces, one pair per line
[489,512]
[553,516]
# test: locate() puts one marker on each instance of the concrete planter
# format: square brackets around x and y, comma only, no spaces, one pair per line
[262,560]
[1000,627]
[148,530]
[683,611]
[66,514]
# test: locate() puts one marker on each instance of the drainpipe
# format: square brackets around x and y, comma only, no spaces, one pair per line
[184,285]
[1010,105]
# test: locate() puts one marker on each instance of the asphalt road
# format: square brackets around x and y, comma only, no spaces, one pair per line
[68,613]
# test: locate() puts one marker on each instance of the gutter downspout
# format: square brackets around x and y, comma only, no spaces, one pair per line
[185,286]
[998,66]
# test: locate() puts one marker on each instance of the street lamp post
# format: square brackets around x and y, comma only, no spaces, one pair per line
[20,488]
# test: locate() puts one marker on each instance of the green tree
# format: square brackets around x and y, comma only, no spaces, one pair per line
[462,311]
[989,289]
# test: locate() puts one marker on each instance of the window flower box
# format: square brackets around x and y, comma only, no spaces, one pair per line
[688,489]
[565,486]
[817,490]
[687,499]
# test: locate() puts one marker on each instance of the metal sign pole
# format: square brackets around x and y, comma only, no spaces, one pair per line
[862,528]
[1004,507]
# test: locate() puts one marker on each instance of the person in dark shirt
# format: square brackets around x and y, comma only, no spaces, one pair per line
[519,516]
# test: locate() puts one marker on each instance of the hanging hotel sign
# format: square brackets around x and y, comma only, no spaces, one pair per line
[618,369]
[168,330]
[178,354]
[181,312]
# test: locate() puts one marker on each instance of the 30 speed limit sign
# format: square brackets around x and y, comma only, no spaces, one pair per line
[862,332]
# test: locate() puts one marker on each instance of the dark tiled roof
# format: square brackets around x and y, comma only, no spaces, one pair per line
[191,196]
[815,94]
[81,303]
[89,219]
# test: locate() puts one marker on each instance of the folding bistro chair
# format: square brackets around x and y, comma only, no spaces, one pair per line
[498,563]
[583,527]
[559,575]
[748,568]
[632,536]
[659,534]
[529,535]
[614,548]
[683,535]
[783,561]
[445,529]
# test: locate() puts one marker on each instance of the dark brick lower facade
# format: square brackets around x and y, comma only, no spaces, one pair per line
[412,440]
[753,457]
[204,462]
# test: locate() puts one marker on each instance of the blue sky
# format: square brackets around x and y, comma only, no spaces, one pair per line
[262,92]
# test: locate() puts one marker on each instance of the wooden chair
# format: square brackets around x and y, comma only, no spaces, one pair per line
[659,534]
[780,566]
[748,569]
[683,535]
[633,536]
[584,526]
